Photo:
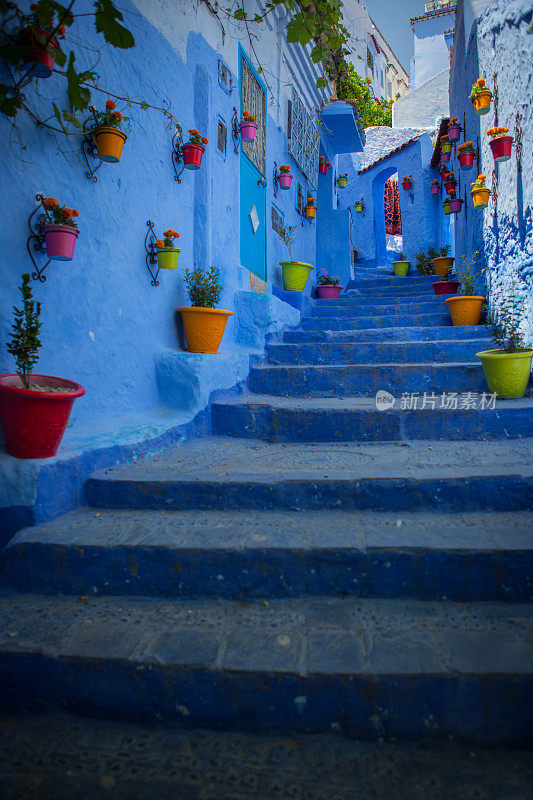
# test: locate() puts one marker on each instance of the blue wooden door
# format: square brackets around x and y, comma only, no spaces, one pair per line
[253,175]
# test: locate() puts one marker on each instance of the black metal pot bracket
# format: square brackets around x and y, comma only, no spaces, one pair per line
[177,156]
[35,240]
[494,192]
[235,131]
[495,95]
[151,252]
[361,203]
[518,140]
[88,146]
[275,176]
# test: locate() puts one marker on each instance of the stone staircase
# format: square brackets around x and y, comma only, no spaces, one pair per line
[317,564]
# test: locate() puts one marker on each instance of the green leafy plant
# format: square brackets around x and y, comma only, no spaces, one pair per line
[203,286]
[110,118]
[467,275]
[424,261]
[444,251]
[401,256]
[288,234]
[325,279]
[504,320]
[25,343]
[354,89]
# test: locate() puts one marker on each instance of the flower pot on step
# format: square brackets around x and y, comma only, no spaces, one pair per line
[248,131]
[481,102]
[192,155]
[109,143]
[507,374]
[204,327]
[446,287]
[167,257]
[285,180]
[401,268]
[328,291]
[501,148]
[60,241]
[465,309]
[443,264]
[295,275]
[480,198]
[34,421]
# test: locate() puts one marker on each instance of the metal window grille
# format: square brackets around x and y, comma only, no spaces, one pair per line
[253,100]
[222,137]
[299,197]
[224,77]
[304,140]
[277,220]
[369,59]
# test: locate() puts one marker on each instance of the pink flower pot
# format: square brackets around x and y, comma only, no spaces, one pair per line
[323,167]
[454,132]
[455,205]
[466,159]
[329,292]
[445,157]
[60,241]
[43,58]
[501,148]
[248,131]
[449,186]
[406,185]
[446,287]
[285,179]
[192,155]
[434,190]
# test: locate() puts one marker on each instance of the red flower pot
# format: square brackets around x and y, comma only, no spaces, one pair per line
[60,241]
[34,421]
[192,155]
[43,58]
[446,287]
[285,180]
[248,131]
[445,157]
[323,167]
[329,292]
[450,186]
[455,205]
[434,190]
[501,148]
[454,132]
[406,185]
[466,159]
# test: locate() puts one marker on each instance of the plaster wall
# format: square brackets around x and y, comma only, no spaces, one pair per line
[431,48]
[424,106]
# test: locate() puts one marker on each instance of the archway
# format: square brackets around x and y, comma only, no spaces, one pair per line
[393,216]
[384,247]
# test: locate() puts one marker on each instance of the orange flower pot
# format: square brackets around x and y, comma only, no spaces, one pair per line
[482,102]
[310,211]
[480,197]
[443,264]
[204,327]
[465,309]
[109,142]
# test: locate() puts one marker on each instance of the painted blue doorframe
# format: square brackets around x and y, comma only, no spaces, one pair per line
[253,174]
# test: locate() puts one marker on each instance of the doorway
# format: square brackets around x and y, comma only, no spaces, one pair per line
[393,216]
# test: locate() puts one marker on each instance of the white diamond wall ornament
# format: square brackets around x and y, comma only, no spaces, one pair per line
[254,218]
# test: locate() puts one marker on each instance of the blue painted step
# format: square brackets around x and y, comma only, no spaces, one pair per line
[368,299]
[389,321]
[380,309]
[375,352]
[367,669]
[225,474]
[357,420]
[401,334]
[359,380]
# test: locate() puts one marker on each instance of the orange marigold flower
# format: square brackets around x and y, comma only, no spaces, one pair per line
[159,243]
[75,213]
[110,105]
[480,81]
[204,140]
[50,203]
[61,31]
[67,212]
[118,115]
[482,177]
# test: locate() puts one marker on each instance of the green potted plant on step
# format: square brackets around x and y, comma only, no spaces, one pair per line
[203,323]
[465,309]
[424,261]
[446,285]
[294,273]
[442,261]
[401,266]
[508,368]
[34,409]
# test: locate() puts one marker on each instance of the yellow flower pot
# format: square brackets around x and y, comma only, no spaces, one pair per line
[310,211]
[465,309]
[204,327]
[295,275]
[167,257]
[481,102]
[443,264]
[480,198]
[109,142]
[507,374]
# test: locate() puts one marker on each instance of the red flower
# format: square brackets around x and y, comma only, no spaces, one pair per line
[204,140]
[118,115]
[61,31]
[110,105]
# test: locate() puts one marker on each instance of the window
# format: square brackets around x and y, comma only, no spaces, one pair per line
[369,60]
[277,219]
[224,77]
[253,100]
[299,197]
[389,90]
[304,139]
[222,136]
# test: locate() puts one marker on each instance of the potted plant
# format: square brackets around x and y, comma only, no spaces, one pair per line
[508,368]
[442,261]
[401,266]
[446,146]
[285,177]
[466,153]
[446,285]
[446,206]
[435,188]
[34,409]
[167,253]
[500,144]
[203,323]
[294,273]
[359,205]
[479,192]
[443,170]
[323,165]
[107,134]
[424,261]
[480,97]
[39,43]
[310,209]
[248,127]
[407,182]
[341,180]
[328,287]
[465,309]
[60,230]
[454,130]
[455,203]
[449,182]
[193,150]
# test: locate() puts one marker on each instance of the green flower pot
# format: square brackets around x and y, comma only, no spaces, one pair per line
[401,268]
[167,257]
[295,275]
[507,374]
[341,182]
[446,148]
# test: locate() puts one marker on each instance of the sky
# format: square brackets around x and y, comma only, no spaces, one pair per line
[392,18]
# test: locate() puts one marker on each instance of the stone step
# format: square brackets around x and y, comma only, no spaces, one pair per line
[363,380]
[366,668]
[279,419]
[423,292]
[231,555]
[383,299]
[380,309]
[375,352]
[225,474]
[391,281]
[401,334]
[388,321]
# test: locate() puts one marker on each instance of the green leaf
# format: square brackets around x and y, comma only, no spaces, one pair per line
[47,8]
[78,95]
[71,118]
[322,83]
[9,105]
[12,53]
[107,19]
[240,14]
[61,57]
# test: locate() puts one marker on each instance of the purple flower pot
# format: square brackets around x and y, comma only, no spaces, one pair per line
[445,157]
[248,131]
[434,190]
[60,241]
[285,179]
[455,205]
[329,292]
[446,287]
[454,132]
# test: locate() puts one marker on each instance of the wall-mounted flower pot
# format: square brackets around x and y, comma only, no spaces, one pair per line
[295,275]
[285,180]
[481,102]
[480,198]
[446,287]
[109,143]
[323,167]
[406,185]
[446,147]
[446,208]
[501,148]
[248,131]
[310,212]
[60,241]
[465,309]
[43,58]
[327,291]
[355,255]
[445,157]
[401,268]
[34,421]
[167,257]
[450,186]
[455,205]
[192,155]
[204,327]
[434,190]
[358,207]
[507,374]
[443,264]
[454,132]
[466,159]
[341,182]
